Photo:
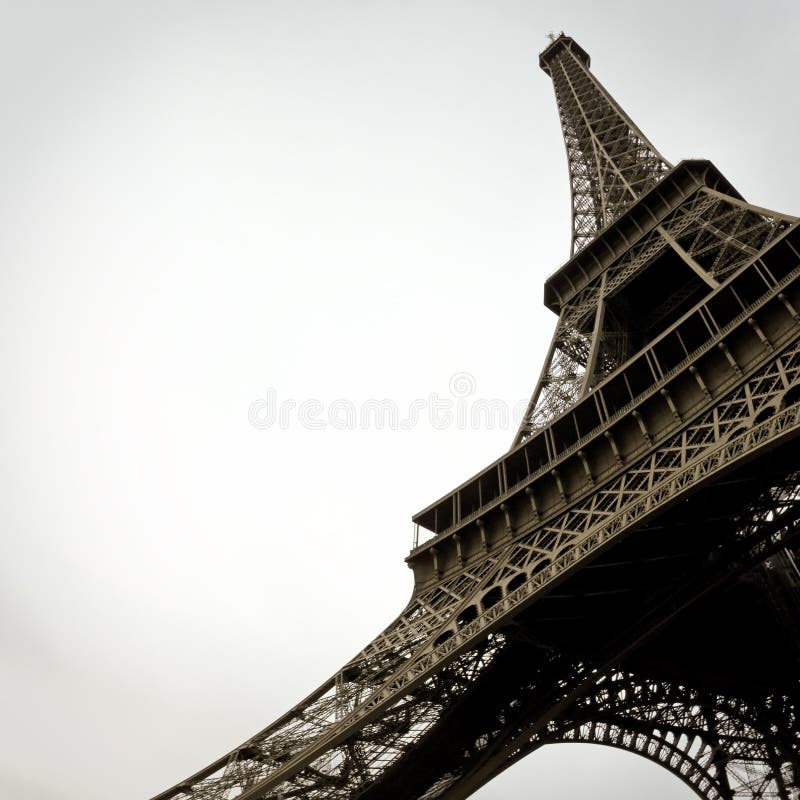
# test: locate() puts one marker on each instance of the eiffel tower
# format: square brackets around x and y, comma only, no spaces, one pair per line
[627,574]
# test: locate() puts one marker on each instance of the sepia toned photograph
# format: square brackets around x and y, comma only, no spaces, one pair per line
[401,401]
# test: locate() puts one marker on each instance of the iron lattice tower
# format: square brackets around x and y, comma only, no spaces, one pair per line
[626,574]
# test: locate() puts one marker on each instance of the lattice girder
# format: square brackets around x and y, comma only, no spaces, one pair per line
[610,160]
[722,747]
[750,736]
[715,233]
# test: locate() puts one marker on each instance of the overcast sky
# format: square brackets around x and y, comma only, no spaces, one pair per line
[211,207]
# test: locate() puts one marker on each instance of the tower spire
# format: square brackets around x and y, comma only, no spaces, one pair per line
[611,162]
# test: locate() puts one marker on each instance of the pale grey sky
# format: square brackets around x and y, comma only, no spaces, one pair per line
[203,203]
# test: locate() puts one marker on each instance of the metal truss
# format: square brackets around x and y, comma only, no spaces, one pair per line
[729,744]
[611,166]
[714,233]
[611,162]
[656,450]
[722,747]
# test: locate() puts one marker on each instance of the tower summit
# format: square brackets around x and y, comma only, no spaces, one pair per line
[611,162]
[627,574]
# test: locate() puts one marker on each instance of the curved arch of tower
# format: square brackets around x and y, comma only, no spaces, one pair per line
[628,573]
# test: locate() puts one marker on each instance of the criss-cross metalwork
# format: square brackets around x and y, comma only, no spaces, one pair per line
[627,574]
[712,232]
[611,162]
